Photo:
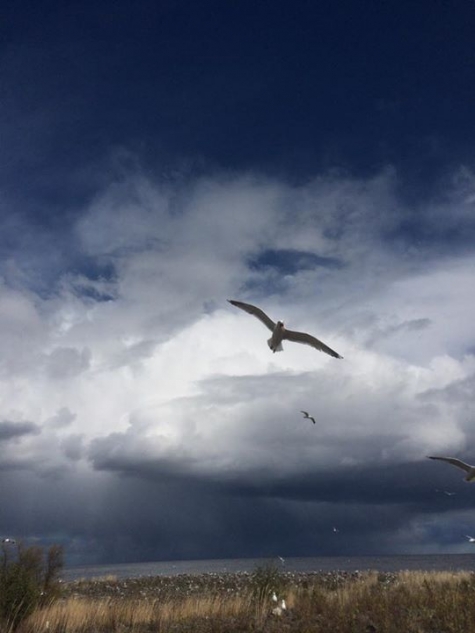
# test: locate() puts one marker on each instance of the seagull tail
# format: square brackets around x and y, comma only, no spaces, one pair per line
[279,347]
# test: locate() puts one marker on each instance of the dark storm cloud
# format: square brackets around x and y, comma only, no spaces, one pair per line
[149,506]
[266,520]
[407,484]
[17,430]
[289,261]
[376,483]
[127,455]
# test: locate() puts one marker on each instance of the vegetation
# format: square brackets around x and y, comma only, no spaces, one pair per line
[28,580]
[408,602]
[266,580]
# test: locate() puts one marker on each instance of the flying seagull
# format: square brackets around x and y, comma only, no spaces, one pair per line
[307,416]
[470,470]
[470,539]
[11,541]
[280,333]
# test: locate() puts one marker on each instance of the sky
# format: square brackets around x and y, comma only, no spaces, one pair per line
[316,159]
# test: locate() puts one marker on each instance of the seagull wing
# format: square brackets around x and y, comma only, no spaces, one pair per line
[305,413]
[257,312]
[456,462]
[307,339]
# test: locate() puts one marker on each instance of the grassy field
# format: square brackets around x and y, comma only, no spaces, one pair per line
[407,602]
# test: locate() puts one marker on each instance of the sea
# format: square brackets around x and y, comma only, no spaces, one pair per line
[427,562]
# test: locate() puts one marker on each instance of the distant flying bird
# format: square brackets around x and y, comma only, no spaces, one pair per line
[282,560]
[446,492]
[470,470]
[10,541]
[280,333]
[307,416]
[470,539]
[336,529]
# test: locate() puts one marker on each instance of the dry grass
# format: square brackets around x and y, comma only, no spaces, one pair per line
[79,615]
[408,602]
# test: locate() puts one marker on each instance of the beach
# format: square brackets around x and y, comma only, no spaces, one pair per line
[267,600]
[187,585]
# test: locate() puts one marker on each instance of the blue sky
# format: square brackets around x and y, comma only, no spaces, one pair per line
[159,158]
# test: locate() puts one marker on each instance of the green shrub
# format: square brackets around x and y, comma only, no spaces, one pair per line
[27,579]
[266,579]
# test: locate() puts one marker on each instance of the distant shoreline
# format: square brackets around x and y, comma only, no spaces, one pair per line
[386,563]
[189,585]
